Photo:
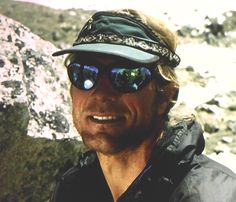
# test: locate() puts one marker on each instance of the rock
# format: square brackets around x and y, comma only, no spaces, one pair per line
[233,150]
[221,148]
[214,30]
[190,69]
[66,27]
[213,102]
[232,95]
[232,107]
[230,20]
[56,36]
[34,109]
[227,140]
[46,20]
[72,13]
[211,109]
[210,128]
[231,125]
[14,119]
[214,26]
[185,31]
[2,63]
[34,96]
[223,100]
[61,18]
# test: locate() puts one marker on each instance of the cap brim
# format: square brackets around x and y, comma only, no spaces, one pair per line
[112,49]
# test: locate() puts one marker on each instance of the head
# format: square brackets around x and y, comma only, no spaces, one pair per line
[123,80]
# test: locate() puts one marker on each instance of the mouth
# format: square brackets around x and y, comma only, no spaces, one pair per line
[106,119]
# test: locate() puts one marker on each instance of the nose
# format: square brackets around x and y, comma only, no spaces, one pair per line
[104,90]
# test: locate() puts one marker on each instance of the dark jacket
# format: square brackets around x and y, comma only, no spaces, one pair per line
[176,172]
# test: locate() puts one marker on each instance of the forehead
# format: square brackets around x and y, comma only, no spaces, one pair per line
[105,59]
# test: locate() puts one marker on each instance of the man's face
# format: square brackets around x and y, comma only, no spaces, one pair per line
[110,121]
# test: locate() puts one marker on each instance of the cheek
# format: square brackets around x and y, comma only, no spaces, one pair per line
[76,112]
[78,97]
[143,104]
[77,103]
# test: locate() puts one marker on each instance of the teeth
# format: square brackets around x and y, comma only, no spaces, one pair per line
[105,118]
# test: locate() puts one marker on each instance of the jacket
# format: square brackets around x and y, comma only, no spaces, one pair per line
[176,172]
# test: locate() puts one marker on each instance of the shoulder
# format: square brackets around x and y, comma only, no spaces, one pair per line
[75,178]
[85,163]
[207,181]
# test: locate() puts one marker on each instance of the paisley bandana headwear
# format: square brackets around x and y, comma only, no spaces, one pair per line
[124,35]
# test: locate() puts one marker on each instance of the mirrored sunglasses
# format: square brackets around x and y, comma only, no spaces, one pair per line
[125,80]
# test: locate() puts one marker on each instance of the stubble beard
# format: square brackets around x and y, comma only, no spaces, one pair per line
[129,139]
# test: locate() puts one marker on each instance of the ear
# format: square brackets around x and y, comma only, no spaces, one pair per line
[166,98]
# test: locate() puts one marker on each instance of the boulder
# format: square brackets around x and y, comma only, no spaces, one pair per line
[34,95]
[37,140]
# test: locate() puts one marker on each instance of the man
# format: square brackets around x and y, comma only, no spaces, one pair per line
[121,68]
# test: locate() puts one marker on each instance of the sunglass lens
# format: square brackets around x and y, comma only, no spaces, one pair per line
[130,80]
[82,76]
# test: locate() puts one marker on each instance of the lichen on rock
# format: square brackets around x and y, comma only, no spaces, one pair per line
[30,75]
[37,141]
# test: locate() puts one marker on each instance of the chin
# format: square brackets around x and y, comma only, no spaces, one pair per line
[115,141]
[110,145]
[99,143]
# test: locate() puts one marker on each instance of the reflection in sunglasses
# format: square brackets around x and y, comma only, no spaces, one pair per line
[122,79]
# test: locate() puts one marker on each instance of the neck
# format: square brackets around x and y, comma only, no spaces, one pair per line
[121,169]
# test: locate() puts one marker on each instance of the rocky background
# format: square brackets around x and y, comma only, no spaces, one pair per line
[37,138]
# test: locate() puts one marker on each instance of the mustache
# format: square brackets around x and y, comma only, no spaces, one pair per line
[112,107]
